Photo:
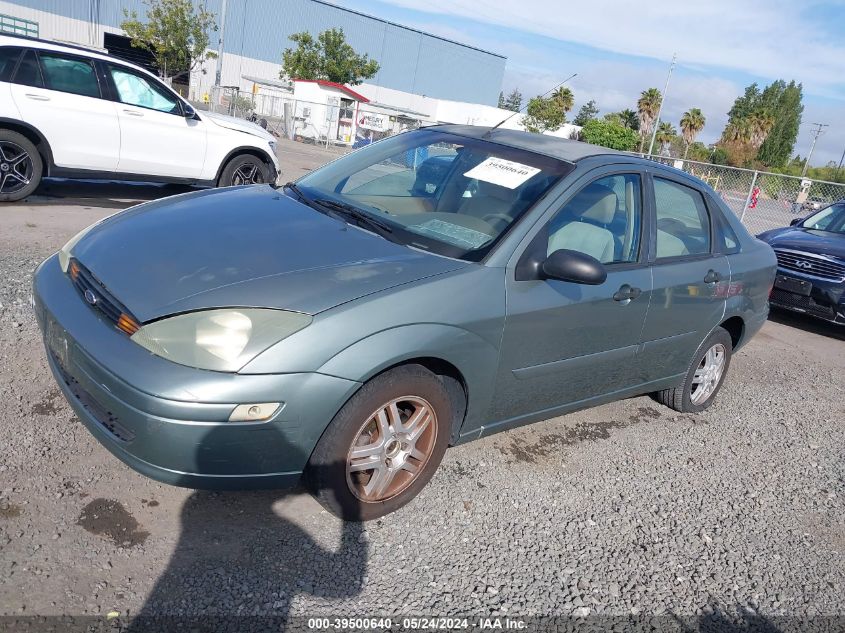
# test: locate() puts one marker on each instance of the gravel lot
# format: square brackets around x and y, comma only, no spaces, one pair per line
[731,516]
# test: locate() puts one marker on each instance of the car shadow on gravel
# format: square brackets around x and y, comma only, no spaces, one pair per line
[238,565]
[807,323]
[101,193]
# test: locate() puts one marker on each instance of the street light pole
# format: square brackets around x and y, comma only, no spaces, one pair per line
[841,160]
[816,134]
[219,71]
[660,107]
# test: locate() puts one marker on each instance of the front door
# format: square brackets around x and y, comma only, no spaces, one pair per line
[565,342]
[60,95]
[157,139]
[691,280]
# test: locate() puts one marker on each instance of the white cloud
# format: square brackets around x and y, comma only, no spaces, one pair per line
[768,38]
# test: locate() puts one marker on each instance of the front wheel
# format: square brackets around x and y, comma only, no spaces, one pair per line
[383,446]
[245,169]
[705,375]
[20,166]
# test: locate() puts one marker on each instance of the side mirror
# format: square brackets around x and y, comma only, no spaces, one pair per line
[579,268]
[188,110]
[796,221]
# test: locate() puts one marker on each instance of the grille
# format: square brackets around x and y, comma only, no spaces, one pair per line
[96,296]
[811,265]
[802,304]
[103,416]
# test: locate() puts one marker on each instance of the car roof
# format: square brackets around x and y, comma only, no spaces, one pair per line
[9,39]
[553,146]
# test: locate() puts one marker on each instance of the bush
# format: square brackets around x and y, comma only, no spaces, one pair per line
[609,134]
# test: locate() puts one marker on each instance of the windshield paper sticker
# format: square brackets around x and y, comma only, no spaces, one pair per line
[504,173]
[457,235]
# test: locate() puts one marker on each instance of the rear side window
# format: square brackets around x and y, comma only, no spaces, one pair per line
[8,58]
[683,224]
[137,90]
[69,74]
[28,73]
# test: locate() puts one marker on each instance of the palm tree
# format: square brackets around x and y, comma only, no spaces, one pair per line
[629,119]
[738,131]
[665,133]
[760,123]
[692,122]
[647,107]
[565,98]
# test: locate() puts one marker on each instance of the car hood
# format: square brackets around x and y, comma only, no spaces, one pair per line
[807,240]
[240,125]
[244,247]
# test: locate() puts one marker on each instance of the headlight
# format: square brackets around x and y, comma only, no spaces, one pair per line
[220,340]
[64,254]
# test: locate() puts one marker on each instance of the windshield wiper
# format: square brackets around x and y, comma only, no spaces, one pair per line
[293,187]
[362,219]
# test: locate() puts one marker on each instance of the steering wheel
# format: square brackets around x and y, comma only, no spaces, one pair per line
[497,217]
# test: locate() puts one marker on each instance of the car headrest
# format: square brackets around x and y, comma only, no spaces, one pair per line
[597,203]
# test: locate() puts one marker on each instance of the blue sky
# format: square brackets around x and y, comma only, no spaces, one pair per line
[619,49]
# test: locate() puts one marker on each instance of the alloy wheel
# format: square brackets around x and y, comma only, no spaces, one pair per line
[248,174]
[391,449]
[16,167]
[709,373]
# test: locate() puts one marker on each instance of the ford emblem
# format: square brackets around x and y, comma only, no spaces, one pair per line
[90,297]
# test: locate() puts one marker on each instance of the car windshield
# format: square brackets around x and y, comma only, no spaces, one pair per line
[440,192]
[830,220]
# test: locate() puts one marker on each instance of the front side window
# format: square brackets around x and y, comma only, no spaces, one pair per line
[28,72]
[830,220]
[449,194]
[602,220]
[683,224]
[137,90]
[69,74]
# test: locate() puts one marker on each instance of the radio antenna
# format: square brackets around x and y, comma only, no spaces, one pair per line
[508,118]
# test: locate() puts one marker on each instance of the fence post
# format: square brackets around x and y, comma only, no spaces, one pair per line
[748,197]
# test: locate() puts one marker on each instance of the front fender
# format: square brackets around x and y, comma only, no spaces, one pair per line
[475,358]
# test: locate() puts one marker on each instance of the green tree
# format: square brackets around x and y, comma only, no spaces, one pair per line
[547,114]
[608,134]
[501,100]
[565,98]
[175,33]
[779,143]
[629,119]
[587,112]
[647,106]
[666,133]
[514,100]
[692,122]
[328,57]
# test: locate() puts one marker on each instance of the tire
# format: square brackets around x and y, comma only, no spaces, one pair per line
[246,169]
[21,166]
[342,483]
[686,398]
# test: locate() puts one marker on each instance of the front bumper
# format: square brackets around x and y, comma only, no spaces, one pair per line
[170,422]
[826,299]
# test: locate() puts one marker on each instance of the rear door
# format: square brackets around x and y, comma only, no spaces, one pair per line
[157,139]
[61,96]
[691,277]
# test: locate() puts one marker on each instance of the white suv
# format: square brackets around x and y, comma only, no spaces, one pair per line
[70,112]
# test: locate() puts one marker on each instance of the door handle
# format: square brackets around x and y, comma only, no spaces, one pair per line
[133,113]
[626,293]
[712,277]
[37,97]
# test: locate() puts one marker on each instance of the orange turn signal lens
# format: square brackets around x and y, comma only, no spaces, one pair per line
[127,324]
[74,270]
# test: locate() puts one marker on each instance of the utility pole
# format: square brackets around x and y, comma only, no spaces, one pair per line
[817,132]
[841,160]
[219,70]
[662,100]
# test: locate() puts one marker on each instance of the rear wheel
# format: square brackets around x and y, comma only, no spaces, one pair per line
[704,377]
[245,169]
[383,446]
[20,166]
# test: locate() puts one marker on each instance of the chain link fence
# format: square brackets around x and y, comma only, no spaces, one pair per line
[762,200]
[333,123]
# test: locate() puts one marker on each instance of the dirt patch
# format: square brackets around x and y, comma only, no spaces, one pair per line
[47,405]
[109,519]
[552,442]
[9,510]
[644,414]
[150,503]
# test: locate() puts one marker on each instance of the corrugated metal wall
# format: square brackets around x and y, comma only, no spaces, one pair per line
[410,61]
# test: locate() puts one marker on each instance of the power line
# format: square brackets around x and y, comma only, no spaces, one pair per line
[817,132]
